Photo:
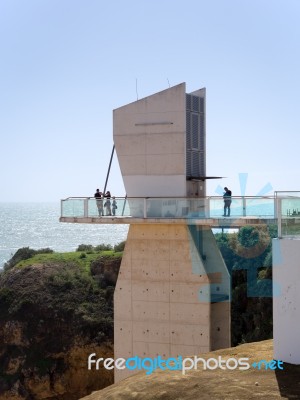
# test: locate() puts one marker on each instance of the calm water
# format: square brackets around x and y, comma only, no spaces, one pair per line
[36,225]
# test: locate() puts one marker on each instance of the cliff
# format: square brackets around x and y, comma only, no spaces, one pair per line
[54,311]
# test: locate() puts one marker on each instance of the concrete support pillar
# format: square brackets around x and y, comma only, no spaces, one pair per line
[162,302]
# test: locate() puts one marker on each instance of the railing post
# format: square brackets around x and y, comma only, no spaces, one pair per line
[124,204]
[145,207]
[207,207]
[86,207]
[279,217]
[244,206]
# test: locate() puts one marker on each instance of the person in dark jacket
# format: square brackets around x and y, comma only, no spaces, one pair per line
[99,202]
[227,201]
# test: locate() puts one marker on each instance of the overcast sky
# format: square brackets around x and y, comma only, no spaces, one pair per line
[66,64]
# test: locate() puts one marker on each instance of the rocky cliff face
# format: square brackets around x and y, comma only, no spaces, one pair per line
[52,316]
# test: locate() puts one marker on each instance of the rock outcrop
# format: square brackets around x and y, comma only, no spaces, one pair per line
[52,316]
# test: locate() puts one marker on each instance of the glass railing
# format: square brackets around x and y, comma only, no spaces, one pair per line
[172,207]
[288,213]
[82,207]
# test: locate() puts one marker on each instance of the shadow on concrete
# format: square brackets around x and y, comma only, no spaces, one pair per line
[289,381]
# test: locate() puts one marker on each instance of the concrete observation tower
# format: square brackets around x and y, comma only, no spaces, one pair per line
[172,296]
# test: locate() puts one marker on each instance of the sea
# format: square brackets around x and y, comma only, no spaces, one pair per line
[36,225]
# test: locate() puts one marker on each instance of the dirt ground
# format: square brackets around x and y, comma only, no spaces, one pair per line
[215,384]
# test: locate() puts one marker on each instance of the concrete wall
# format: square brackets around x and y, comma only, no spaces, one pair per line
[219,286]
[150,140]
[220,315]
[286,299]
[157,297]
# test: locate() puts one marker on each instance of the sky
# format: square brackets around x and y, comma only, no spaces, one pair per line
[66,64]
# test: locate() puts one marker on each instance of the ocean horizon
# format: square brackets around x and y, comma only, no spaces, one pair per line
[36,225]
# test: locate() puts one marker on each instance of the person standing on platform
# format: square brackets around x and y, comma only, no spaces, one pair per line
[114,206]
[227,201]
[99,202]
[107,203]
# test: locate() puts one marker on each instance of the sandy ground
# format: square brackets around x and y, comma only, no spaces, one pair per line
[215,384]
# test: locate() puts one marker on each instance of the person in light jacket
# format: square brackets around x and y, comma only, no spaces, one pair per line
[114,206]
[107,203]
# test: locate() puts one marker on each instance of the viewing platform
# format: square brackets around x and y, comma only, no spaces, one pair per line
[208,211]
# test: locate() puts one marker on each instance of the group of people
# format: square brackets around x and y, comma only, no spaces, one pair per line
[103,200]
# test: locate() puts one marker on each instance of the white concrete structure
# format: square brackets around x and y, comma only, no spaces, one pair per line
[172,296]
[286,299]
[160,143]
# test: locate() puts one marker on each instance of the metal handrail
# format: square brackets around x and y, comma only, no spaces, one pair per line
[282,207]
[173,197]
[164,207]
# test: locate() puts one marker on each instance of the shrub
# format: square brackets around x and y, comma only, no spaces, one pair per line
[90,249]
[24,254]
[85,247]
[120,246]
[103,247]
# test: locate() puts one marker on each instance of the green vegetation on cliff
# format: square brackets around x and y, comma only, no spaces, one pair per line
[51,304]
